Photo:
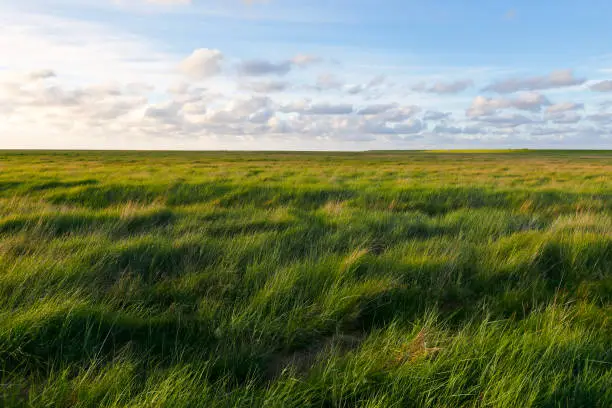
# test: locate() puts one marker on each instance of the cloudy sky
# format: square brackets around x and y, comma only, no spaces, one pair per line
[309,75]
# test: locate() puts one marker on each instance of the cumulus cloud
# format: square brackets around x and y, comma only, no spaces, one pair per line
[410,127]
[444,87]
[265,86]
[36,98]
[400,113]
[377,109]
[507,121]
[329,109]
[374,83]
[202,63]
[564,107]
[530,101]
[435,115]
[168,112]
[601,117]
[306,107]
[602,86]
[556,79]
[261,67]
[254,109]
[565,117]
[455,130]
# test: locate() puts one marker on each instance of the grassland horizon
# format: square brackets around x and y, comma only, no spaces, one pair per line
[306,279]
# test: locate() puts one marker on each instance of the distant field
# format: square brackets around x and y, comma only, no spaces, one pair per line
[380,279]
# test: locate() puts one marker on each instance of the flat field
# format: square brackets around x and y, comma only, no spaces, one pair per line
[379,279]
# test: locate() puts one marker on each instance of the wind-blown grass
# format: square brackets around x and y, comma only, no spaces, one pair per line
[380,279]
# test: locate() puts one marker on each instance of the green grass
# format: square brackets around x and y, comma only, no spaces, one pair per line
[379,279]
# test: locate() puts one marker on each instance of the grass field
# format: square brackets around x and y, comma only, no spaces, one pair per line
[380,279]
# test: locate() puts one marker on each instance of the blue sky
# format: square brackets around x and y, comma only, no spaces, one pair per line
[316,75]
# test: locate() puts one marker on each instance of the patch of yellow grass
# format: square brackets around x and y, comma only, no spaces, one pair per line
[334,207]
[415,349]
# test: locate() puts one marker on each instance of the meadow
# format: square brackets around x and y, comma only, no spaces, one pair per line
[242,279]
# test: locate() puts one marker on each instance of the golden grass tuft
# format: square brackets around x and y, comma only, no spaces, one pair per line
[415,349]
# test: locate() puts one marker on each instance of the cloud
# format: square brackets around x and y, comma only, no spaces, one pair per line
[435,115]
[454,130]
[303,60]
[203,63]
[564,117]
[601,118]
[556,79]
[168,112]
[306,107]
[564,107]
[410,127]
[507,121]
[444,87]
[188,112]
[399,114]
[602,86]
[252,109]
[530,101]
[329,109]
[377,109]
[96,52]
[265,86]
[374,83]
[42,74]
[262,67]
[36,97]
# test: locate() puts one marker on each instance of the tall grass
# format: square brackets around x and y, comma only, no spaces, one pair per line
[380,279]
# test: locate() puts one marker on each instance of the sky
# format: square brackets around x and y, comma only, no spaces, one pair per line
[305,75]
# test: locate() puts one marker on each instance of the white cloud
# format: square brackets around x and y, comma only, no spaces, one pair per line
[329,109]
[85,51]
[372,84]
[454,130]
[435,115]
[261,67]
[601,118]
[444,87]
[564,107]
[507,121]
[203,63]
[411,127]
[265,86]
[556,79]
[602,86]
[377,109]
[566,117]
[530,101]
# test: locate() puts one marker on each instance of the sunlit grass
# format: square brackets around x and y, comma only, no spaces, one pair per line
[374,279]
